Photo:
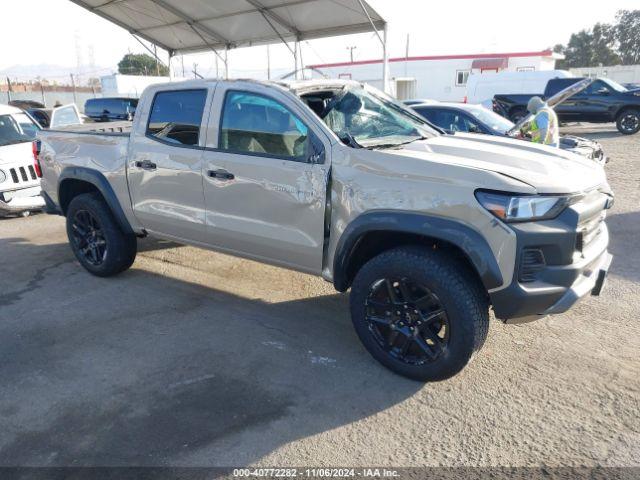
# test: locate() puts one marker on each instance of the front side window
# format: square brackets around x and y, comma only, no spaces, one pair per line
[255,124]
[176,116]
[64,116]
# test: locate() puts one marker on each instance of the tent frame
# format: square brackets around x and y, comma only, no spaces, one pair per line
[267,13]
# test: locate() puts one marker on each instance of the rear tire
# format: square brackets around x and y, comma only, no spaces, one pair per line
[434,305]
[96,238]
[628,122]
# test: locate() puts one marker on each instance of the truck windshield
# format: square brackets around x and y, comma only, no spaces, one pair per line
[614,85]
[372,120]
[16,128]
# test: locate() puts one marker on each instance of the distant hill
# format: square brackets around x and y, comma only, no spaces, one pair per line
[54,73]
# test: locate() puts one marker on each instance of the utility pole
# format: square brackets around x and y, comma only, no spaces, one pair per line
[8,89]
[195,70]
[182,58]
[73,84]
[351,49]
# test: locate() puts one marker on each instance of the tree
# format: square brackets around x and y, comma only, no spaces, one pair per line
[141,64]
[559,48]
[603,44]
[627,32]
[590,48]
[579,51]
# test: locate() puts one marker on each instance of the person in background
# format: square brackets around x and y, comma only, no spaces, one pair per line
[544,127]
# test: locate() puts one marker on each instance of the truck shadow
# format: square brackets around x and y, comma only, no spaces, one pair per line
[624,231]
[145,369]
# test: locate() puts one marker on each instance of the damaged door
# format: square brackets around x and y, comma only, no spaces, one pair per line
[265,180]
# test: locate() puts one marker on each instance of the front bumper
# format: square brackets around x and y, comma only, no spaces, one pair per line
[591,281]
[18,201]
[573,263]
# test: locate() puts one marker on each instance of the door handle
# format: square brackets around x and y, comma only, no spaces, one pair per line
[221,174]
[146,165]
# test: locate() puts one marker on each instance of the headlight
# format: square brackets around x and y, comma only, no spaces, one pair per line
[522,208]
[3,176]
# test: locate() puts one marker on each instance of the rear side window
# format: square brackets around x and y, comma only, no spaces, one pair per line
[176,116]
[258,125]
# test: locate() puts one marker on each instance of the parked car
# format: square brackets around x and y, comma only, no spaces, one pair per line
[334,178]
[467,118]
[19,174]
[603,101]
[416,101]
[25,104]
[110,109]
[57,117]
[481,88]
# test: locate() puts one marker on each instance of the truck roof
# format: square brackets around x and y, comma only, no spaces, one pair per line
[295,85]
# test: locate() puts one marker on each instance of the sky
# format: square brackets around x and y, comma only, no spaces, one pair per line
[71,35]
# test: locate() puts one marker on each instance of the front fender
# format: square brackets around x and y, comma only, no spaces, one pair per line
[468,240]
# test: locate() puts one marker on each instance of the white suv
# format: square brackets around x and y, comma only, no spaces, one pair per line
[19,172]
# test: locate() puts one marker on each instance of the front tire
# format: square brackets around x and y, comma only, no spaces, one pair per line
[628,122]
[96,239]
[419,312]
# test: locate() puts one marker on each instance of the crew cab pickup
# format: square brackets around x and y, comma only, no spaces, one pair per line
[603,101]
[336,179]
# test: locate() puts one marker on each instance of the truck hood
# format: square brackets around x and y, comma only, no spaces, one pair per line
[15,153]
[547,169]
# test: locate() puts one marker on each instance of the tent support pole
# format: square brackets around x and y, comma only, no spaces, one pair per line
[385,62]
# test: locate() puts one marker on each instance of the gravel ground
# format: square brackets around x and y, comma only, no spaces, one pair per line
[193,358]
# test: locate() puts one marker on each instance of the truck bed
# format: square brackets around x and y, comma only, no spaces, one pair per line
[110,128]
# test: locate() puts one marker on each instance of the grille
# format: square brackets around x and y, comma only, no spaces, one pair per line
[531,263]
[22,174]
[588,231]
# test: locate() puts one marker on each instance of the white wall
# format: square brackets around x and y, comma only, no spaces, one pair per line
[436,79]
[128,85]
[619,73]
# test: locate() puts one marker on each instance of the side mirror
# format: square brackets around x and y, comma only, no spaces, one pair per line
[603,91]
[474,129]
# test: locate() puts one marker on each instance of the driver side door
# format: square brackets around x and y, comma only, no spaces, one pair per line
[265,172]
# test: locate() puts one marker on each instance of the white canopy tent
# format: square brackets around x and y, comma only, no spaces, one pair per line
[189,26]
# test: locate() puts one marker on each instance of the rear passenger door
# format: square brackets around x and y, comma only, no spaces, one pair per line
[265,177]
[165,164]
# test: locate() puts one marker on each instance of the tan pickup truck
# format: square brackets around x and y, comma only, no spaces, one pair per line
[334,178]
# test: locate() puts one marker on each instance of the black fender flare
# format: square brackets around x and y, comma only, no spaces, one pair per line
[100,182]
[468,240]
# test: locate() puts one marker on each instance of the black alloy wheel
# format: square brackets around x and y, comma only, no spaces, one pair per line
[89,237]
[407,320]
[629,122]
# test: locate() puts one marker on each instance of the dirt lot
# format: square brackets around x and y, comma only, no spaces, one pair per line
[198,359]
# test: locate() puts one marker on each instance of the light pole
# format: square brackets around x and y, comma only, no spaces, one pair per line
[351,49]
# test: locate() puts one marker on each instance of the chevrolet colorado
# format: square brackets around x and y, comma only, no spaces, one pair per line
[336,179]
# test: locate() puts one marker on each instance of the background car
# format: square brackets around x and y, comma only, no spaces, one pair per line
[464,117]
[19,172]
[110,109]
